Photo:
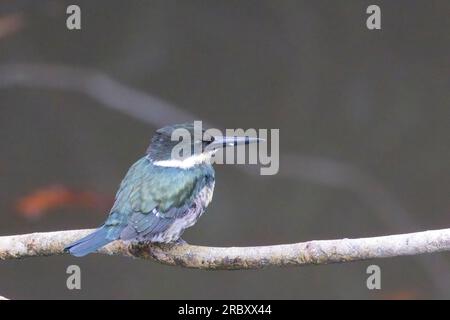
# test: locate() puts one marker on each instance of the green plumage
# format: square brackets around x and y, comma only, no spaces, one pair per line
[151,197]
[147,186]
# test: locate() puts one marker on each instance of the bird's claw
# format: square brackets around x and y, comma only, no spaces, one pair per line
[180,242]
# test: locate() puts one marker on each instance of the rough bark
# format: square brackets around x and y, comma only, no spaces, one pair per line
[232,258]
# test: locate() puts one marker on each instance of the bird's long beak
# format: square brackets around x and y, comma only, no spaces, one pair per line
[224,141]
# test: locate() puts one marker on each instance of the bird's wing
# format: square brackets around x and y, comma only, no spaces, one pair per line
[153,198]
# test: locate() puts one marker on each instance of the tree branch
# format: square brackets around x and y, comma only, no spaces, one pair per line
[233,258]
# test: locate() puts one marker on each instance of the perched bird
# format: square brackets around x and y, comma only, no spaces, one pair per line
[160,195]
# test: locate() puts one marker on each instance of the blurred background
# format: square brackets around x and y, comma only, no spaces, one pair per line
[364,136]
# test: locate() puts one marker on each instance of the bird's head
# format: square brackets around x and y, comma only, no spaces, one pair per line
[184,145]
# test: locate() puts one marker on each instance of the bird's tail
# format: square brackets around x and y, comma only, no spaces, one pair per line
[90,243]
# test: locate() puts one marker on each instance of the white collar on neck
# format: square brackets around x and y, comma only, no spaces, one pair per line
[186,163]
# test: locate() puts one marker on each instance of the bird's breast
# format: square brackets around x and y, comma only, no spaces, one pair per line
[189,218]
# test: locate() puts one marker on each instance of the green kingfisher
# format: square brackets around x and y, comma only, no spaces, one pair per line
[162,194]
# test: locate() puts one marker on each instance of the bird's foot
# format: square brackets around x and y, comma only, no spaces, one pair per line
[180,242]
[165,245]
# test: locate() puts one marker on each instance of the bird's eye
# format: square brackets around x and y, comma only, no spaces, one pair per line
[208,140]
